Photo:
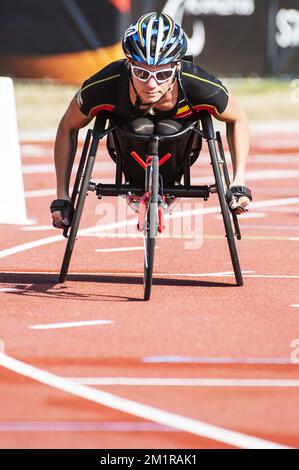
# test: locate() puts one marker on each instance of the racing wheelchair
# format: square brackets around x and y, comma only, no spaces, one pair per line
[150,194]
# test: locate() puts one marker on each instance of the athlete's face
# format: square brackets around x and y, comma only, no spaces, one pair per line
[150,88]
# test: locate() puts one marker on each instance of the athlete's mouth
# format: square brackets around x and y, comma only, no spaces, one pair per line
[152,93]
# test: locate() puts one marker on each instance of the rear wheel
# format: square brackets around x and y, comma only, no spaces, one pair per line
[226,181]
[81,189]
[225,213]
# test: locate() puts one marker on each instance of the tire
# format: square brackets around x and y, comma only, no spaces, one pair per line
[149,254]
[78,210]
[225,213]
[150,226]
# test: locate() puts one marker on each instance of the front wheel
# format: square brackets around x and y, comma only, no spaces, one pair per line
[151,225]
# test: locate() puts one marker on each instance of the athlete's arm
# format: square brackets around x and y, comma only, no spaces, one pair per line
[237,133]
[65,150]
[238,138]
[66,146]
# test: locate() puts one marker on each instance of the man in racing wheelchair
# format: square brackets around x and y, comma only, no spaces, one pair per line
[153,90]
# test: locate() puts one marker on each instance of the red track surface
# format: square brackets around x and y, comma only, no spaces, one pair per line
[204,321]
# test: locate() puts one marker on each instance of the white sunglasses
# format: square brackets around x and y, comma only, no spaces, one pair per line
[160,76]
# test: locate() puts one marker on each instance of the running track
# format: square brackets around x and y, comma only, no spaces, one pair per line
[203,364]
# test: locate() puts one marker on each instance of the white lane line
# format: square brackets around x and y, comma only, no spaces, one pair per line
[83,426]
[269,276]
[275,202]
[134,408]
[42,168]
[295,305]
[271,158]
[271,227]
[165,275]
[140,236]
[167,236]
[248,215]
[37,137]
[77,324]
[9,289]
[59,238]
[123,223]
[36,228]
[255,215]
[286,210]
[185,382]
[129,273]
[290,142]
[38,169]
[113,250]
[255,176]
[36,151]
[40,193]
[255,237]
[227,274]
[219,274]
[30,245]
[52,191]
[216,360]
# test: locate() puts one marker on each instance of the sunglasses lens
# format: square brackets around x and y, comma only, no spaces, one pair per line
[140,73]
[164,75]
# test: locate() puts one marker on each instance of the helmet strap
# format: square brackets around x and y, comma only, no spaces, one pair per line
[138,101]
[184,93]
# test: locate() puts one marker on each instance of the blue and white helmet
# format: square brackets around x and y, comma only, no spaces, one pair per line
[155,39]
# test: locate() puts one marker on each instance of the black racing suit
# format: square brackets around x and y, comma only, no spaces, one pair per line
[108,91]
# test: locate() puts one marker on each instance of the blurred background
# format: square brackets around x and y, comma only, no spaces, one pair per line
[49,47]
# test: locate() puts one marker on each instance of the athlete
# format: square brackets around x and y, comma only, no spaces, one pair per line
[153,90]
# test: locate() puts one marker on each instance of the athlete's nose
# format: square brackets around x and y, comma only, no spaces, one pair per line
[151,83]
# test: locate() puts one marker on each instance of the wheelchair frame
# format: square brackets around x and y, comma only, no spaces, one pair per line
[83,184]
